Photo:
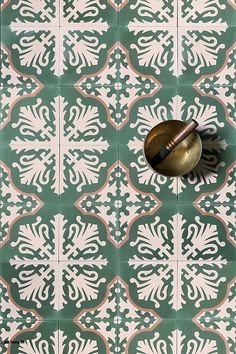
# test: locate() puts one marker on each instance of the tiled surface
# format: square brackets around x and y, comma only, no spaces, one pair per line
[97,253]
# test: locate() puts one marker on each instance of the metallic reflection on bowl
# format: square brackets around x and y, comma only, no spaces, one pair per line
[182,159]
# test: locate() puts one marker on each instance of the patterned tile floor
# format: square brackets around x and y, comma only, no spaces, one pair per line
[97,253]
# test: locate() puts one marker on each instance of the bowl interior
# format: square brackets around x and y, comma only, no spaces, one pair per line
[182,159]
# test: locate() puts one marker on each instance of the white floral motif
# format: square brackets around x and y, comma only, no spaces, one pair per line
[197,345]
[224,203]
[153,48]
[40,282]
[59,240]
[85,9]
[196,12]
[79,345]
[36,345]
[41,48]
[72,242]
[193,281]
[11,311]
[155,11]
[34,163]
[112,191]
[156,345]
[130,85]
[222,88]
[14,205]
[111,311]
[38,12]
[222,314]
[167,240]
[15,86]
[202,48]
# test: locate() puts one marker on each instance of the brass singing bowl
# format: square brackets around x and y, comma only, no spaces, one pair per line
[182,159]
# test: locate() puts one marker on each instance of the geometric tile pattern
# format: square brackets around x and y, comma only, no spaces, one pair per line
[98,254]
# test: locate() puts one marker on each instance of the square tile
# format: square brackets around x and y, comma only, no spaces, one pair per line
[12,77]
[204,285]
[163,337]
[85,54]
[208,13]
[140,328]
[29,233]
[152,286]
[85,119]
[29,13]
[206,233]
[100,13]
[31,117]
[33,170]
[152,52]
[33,52]
[214,112]
[202,340]
[86,171]
[148,13]
[73,335]
[137,178]
[142,112]
[206,52]
[148,235]
[29,289]
[26,337]
[87,291]
[87,234]
[210,174]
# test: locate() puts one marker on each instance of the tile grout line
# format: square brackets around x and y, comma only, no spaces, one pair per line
[177,89]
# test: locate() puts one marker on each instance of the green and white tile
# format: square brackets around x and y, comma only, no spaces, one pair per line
[202,285]
[84,53]
[152,286]
[148,13]
[220,319]
[205,52]
[73,337]
[32,118]
[85,292]
[33,169]
[204,233]
[152,52]
[98,254]
[85,119]
[207,13]
[191,339]
[160,188]
[85,170]
[210,174]
[86,234]
[148,234]
[34,51]
[33,286]
[28,337]
[214,109]
[30,13]
[145,112]
[100,13]
[213,328]
[118,85]
[29,233]
[162,339]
